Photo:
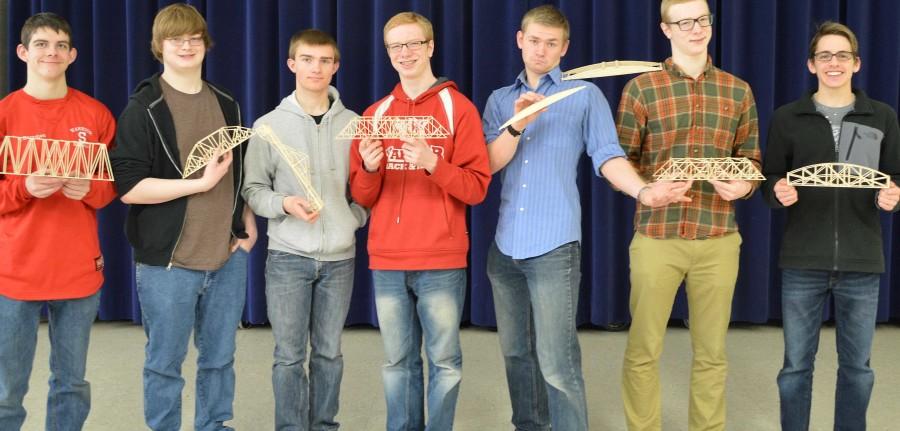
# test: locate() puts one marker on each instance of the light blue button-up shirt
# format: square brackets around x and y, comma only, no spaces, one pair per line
[540,208]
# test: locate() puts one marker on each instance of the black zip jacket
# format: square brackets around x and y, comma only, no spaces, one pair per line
[832,229]
[146,148]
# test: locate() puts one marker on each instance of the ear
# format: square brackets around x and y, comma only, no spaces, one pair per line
[666,30]
[565,48]
[430,48]
[858,65]
[73,55]
[22,52]
[811,65]
[520,39]
[337,65]
[290,64]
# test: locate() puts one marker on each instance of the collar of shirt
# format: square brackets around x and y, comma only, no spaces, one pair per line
[670,66]
[554,76]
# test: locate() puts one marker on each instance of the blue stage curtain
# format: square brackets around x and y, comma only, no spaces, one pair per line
[761,41]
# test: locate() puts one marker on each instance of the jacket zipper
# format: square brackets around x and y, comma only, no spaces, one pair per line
[318,143]
[177,168]
[837,159]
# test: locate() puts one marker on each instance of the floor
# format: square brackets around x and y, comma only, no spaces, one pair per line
[116,357]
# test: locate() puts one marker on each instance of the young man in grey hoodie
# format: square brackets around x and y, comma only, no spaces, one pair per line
[309,270]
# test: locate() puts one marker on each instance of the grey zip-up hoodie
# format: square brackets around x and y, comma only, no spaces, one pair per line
[268,180]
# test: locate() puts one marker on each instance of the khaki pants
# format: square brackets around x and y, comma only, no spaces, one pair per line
[657,269]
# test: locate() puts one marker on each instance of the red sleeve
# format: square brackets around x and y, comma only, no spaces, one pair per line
[103,192]
[467,174]
[13,195]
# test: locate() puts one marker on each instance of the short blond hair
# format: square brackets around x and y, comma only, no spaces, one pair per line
[175,20]
[403,18]
[666,4]
[313,37]
[549,16]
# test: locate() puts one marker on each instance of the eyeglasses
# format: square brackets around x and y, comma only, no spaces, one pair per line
[179,41]
[687,24]
[842,56]
[415,45]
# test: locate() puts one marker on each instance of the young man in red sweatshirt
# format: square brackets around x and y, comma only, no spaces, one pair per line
[37,215]
[418,191]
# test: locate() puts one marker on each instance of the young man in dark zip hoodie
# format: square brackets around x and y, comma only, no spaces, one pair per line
[418,241]
[832,241]
[191,237]
[310,265]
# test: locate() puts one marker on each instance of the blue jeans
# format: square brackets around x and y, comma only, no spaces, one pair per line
[536,301]
[804,295]
[173,303]
[307,301]
[69,398]
[411,304]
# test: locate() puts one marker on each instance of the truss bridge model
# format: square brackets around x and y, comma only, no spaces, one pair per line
[214,144]
[55,158]
[845,175]
[611,68]
[721,169]
[297,161]
[393,127]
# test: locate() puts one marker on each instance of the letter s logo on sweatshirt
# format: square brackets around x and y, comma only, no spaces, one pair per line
[82,132]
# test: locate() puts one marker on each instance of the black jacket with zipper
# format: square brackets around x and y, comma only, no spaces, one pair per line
[146,147]
[832,229]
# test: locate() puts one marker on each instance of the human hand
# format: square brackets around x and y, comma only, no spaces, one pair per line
[299,208]
[371,152]
[732,189]
[785,193]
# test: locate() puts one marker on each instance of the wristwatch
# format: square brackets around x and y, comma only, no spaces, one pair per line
[512,131]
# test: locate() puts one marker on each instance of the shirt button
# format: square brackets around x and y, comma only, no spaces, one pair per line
[696,150]
[526,162]
[528,138]
[521,209]
[524,185]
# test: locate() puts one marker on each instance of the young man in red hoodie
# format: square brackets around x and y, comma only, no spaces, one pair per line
[38,214]
[418,191]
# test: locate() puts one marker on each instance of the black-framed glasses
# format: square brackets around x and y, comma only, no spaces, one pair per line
[842,56]
[687,24]
[415,45]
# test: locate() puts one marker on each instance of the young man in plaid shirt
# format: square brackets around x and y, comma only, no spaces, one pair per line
[688,109]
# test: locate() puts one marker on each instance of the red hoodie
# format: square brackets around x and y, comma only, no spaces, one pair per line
[419,220]
[49,248]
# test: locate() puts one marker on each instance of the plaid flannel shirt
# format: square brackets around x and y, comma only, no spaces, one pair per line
[668,114]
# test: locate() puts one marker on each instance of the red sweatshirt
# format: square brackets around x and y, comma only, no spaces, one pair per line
[50,248]
[418,219]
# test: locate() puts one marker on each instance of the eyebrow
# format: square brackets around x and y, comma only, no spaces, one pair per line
[47,41]
[310,56]
[552,39]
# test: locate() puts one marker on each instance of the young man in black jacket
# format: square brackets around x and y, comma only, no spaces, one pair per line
[191,237]
[832,241]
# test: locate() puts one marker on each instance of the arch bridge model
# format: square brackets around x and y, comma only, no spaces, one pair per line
[721,169]
[56,158]
[393,127]
[214,144]
[611,68]
[845,175]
